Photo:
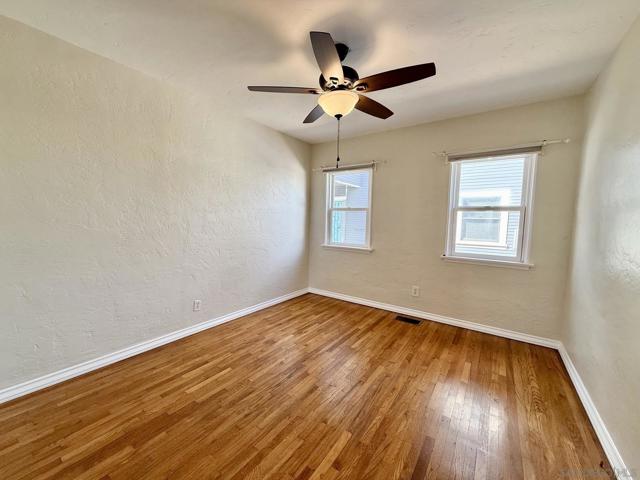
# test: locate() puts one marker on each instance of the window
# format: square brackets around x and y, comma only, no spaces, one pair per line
[490,206]
[348,219]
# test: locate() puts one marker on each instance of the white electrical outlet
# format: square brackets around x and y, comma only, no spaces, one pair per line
[415,291]
[196,305]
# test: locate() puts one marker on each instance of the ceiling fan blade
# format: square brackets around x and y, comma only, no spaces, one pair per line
[324,48]
[314,114]
[311,90]
[366,105]
[400,76]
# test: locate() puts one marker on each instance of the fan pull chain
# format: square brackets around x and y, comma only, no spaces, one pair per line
[338,143]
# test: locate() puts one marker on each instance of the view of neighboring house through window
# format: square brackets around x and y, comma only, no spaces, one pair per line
[348,208]
[490,207]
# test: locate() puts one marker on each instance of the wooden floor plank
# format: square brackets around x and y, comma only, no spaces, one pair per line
[313,388]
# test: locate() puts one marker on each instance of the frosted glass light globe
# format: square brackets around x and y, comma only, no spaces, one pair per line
[338,102]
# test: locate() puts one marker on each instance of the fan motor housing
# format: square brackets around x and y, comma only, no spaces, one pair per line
[342,50]
[350,77]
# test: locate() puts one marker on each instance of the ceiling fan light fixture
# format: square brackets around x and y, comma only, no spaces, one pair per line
[338,102]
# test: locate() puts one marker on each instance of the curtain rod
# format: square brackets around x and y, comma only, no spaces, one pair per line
[353,166]
[540,143]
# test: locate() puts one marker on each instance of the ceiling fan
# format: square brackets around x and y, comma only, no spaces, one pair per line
[341,88]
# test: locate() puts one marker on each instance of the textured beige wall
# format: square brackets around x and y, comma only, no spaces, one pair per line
[602,334]
[409,220]
[122,200]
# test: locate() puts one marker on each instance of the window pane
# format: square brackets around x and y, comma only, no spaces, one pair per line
[351,189]
[349,228]
[487,233]
[491,182]
[481,227]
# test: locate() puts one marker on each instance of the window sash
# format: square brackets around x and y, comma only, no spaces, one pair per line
[349,209]
[519,243]
[489,208]
[524,227]
[345,244]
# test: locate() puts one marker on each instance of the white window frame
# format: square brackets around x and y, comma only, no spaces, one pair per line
[521,259]
[329,181]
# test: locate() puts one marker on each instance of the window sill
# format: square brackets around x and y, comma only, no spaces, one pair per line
[489,263]
[346,247]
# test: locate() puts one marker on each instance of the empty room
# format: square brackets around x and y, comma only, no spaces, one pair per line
[294,240]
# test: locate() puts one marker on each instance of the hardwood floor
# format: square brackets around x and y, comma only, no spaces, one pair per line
[314,388]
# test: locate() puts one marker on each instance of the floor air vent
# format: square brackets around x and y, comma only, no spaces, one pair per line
[412,321]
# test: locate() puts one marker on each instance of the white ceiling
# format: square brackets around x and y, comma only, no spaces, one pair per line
[489,53]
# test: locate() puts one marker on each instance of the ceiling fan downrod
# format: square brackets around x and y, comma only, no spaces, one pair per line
[338,117]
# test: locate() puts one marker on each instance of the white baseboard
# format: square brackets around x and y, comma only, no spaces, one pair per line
[50,379]
[613,455]
[478,327]
[622,473]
